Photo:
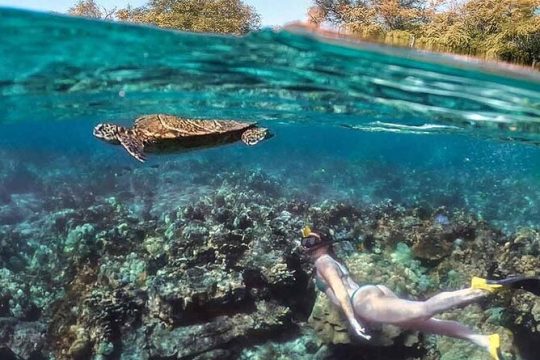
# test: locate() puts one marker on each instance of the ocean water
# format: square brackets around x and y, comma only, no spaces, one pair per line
[354,123]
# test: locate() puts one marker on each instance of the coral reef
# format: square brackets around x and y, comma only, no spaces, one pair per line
[214,271]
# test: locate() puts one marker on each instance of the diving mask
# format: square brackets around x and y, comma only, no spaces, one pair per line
[310,239]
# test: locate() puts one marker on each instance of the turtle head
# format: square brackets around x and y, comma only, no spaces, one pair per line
[253,135]
[108,132]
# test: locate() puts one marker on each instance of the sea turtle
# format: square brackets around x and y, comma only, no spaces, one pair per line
[168,133]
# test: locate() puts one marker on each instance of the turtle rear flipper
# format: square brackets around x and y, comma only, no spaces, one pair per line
[133,145]
[254,135]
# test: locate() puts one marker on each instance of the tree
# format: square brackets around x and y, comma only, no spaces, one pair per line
[315,16]
[220,16]
[498,29]
[446,32]
[130,14]
[388,15]
[518,36]
[89,8]
[400,14]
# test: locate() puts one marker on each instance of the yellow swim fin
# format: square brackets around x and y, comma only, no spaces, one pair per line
[494,346]
[479,283]
[306,231]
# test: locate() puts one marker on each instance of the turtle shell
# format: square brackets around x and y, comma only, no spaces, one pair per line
[168,127]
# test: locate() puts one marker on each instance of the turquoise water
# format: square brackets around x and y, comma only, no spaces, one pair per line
[361,124]
[449,134]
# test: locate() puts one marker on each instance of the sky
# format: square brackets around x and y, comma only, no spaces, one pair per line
[273,12]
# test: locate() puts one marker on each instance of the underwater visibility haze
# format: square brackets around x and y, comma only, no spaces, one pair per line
[426,168]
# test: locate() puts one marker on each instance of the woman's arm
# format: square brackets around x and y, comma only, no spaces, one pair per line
[330,293]
[332,277]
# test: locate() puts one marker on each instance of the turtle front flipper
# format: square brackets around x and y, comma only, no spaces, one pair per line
[133,145]
[253,135]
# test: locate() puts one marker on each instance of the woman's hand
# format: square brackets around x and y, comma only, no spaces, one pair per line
[359,330]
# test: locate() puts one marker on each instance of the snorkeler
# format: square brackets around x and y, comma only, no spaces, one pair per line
[376,304]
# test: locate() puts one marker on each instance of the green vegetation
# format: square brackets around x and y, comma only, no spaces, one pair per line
[89,8]
[495,29]
[219,16]
[506,30]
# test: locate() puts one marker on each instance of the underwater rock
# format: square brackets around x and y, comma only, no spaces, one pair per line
[135,344]
[24,339]
[304,345]
[435,240]
[523,318]
[105,317]
[328,323]
[186,341]
[262,183]
[121,271]
[427,248]
[195,295]
[520,254]
[197,211]
[16,301]
[195,233]
[194,271]
[432,244]
[155,246]
[78,239]
[242,222]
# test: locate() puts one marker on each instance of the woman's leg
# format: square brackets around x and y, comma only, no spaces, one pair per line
[386,291]
[448,328]
[376,305]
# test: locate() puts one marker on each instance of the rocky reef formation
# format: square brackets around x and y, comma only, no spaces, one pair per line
[128,267]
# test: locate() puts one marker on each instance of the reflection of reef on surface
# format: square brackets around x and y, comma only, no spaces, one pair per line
[189,262]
